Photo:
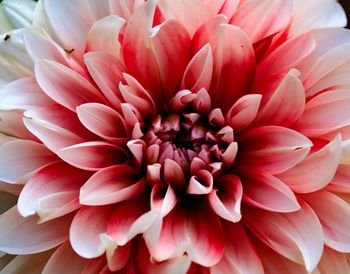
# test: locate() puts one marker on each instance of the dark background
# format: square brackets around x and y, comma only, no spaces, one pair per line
[346,5]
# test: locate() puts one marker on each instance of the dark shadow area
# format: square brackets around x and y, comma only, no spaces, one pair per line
[346,5]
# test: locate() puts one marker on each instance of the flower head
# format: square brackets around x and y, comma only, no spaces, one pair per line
[177,137]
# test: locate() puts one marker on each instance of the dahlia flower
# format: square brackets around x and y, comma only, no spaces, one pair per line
[187,136]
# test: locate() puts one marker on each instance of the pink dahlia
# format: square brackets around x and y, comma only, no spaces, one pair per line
[187,136]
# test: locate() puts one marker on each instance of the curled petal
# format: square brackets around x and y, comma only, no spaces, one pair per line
[316,170]
[201,183]
[163,198]
[226,198]
[173,174]
[243,112]
[93,155]
[112,185]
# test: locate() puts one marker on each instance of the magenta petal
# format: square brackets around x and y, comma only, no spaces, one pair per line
[112,185]
[297,235]
[201,183]
[163,198]
[225,199]
[173,174]
[316,170]
[93,155]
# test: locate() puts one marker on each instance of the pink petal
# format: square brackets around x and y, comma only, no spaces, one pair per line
[333,262]
[124,8]
[298,235]
[119,258]
[55,126]
[46,185]
[286,105]
[103,121]
[199,70]
[163,198]
[316,170]
[25,236]
[285,57]
[23,94]
[40,45]
[234,64]
[104,35]
[341,179]
[93,155]
[65,260]
[267,192]
[70,21]
[22,157]
[274,16]
[234,260]
[112,185]
[243,112]
[85,231]
[325,113]
[130,219]
[201,183]
[186,230]
[334,214]
[64,85]
[272,149]
[226,198]
[190,14]
[106,70]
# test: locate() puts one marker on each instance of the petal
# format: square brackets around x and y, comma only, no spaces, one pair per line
[274,16]
[25,236]
[199,70]
[130,219]
[23,94]
[325,113]
[201,183]
[106,70]
[243,112]
[163,198]
[93,155]
[297,236]
[55,126]
[186,230]
[46,185]
[65,260]
[334,214]
[226,198]
[286,104]
[316,170]
[341,179]
[64,85]
[267,192]
[85,231]
[112,185]
[22,157]
[124,8]
[70,21]
[317,14]
[174,175]
[103,121]
[190,14]
[234,260]
[333,262]
[19,12]
[104,35]
[272,149]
